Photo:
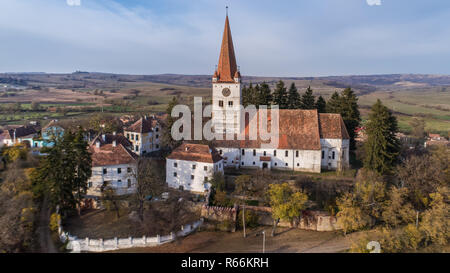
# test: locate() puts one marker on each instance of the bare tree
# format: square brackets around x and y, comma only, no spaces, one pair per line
[150,178]
[111,200]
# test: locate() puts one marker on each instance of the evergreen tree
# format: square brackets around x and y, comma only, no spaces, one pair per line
[265,94]
[167,139]
[334,103]
[83,170]
[382,147]
[294,100]
[350,113]
[280,95]
[321,105]
[308,99]
[244,96]
[255,96]
[63,173]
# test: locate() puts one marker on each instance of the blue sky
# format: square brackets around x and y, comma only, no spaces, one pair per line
[271,38]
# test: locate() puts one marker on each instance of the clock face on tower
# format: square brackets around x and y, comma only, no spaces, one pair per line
[226,92]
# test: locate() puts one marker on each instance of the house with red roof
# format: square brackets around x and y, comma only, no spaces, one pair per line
[190,167]
[113,165]
[144,135]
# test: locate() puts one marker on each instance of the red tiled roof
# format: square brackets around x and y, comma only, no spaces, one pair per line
[298,129]
[332,126]
[143,125]
[107,155]
[195,152]
[227,67]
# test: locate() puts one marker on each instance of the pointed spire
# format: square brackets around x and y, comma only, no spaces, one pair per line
[227,67]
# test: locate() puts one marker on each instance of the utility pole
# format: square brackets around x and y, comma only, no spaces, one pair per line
[417,219]
[243,219]
[264,241]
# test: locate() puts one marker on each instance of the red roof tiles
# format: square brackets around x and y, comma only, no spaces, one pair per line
[107,154]
[195,152]
[332,126]
[298,130]
[227,67]
[143,125]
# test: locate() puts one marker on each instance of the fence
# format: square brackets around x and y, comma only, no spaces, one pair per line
[77,245]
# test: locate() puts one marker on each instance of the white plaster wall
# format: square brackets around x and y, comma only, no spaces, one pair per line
[148,142]
[307,160]
[337,146]
[231,154]
[184,171]
[98,178]
[229,116]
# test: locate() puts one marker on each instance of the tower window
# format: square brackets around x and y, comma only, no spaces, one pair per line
[254,152]
[296,153]
[220,103]
[230,103]
[275,153]
[323,154]
[286,153]
[243,152]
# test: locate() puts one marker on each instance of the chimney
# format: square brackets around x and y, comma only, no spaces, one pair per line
[114,143]
[97,144]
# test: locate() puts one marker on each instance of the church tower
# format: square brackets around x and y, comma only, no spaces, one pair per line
[226,89]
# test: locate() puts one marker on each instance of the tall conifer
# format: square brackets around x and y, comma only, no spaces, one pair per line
[280,95]
[382,147]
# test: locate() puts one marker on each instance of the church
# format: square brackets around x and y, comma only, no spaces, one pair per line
[307,140]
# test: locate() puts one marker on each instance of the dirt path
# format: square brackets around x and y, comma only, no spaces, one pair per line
[45,238]
[286,241]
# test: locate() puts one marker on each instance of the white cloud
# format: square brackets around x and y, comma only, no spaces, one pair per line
[374,2]
[73,2]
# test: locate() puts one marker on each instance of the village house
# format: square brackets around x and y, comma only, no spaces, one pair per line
[308,141]
[190,167]
[436,139]
[113,165]
[144,135]
[48,134]
[20,134]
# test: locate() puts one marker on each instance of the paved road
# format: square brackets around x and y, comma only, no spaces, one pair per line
[45,238]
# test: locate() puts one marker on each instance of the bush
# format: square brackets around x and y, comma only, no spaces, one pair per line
[54,220]
[251,219]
